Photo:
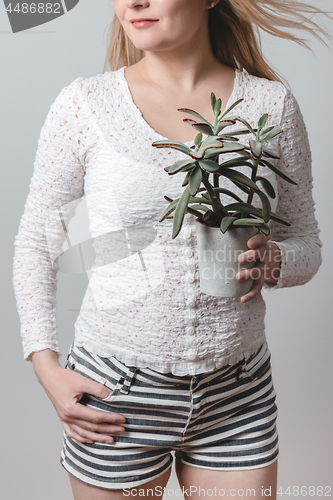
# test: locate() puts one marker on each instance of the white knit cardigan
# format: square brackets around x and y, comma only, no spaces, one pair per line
[143,303]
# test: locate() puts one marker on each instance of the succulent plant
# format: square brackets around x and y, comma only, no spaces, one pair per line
[204,161]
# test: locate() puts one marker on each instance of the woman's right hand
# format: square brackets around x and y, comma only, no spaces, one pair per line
[65,388]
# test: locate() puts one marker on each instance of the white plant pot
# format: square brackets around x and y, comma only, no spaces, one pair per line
[218,264]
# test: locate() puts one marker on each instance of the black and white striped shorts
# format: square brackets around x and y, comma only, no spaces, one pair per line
[222,420]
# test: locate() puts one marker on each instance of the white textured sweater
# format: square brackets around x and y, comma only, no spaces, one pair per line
[143,303]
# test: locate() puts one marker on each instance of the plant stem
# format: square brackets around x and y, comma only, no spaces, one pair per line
[253,178]
[214,198]
[216,177]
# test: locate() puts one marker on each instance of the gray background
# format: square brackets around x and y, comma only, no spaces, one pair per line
[35,66]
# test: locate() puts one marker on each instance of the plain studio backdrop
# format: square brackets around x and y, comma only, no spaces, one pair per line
[35,65]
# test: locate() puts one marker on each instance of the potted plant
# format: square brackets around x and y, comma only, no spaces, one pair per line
[223,230]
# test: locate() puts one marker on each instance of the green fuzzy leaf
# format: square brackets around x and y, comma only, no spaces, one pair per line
[169,209]
[211,142]
[197,199]
[223,124]
[204,128]
[242,188]
[179,165]
[277,171]
[264,229]
[271,134]
[263,132]
[240,178]
[248,222]
[195,114]
[226,222]
[237,132]
[198,139]
[277,218]
[235,161]
[267,186]
[189,121]
[227,147]
[209,165]
[243,207]
[266,206]
[217,107]
[230,108]
[269,153]
[194,212]
[256,148]
[180,212]
[208,143]
[200,207]
[228,138]
[247,125]
[187,178]
[195,180]
[212,100]
[262,121]
[231,147]
[197,155]
[229,193]
[172,145]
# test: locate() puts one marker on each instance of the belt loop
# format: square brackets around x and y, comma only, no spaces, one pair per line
[128,380]
[241,371]
[70,350]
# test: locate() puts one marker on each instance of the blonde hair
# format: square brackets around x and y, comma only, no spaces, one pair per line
[234,33]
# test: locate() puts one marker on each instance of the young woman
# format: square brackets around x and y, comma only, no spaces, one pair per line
[156,365]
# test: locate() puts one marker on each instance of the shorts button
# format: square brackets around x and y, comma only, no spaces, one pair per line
[190,330]
[73,366]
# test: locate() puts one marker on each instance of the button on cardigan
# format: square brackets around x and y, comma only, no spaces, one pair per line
[97,192]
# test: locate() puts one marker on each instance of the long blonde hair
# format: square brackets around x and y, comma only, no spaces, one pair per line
[234,27]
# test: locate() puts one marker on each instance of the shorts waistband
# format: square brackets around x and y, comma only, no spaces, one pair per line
[114,366]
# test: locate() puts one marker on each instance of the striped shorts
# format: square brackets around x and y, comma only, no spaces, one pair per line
[221,420]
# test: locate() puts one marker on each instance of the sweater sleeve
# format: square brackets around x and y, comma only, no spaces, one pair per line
[299,243]
[57,181]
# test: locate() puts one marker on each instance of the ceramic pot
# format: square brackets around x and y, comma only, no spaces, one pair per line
[218,264]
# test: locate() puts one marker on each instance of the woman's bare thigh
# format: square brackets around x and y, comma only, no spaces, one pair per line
[255,484]
[83,491]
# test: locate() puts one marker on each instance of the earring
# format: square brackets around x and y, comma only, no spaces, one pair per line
[212,4]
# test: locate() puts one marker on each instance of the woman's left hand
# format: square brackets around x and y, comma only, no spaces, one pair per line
[267,268]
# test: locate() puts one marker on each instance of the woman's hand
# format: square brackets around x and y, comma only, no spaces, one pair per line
[267,269]
[65,389]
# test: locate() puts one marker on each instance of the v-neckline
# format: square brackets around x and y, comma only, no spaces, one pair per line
[148,127]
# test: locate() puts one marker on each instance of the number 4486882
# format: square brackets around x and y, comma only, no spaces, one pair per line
[304,491]
[35,8]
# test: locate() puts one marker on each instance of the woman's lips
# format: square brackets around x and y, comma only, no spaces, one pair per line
[142,23]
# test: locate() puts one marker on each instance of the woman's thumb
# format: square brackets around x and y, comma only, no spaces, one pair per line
[98,389]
